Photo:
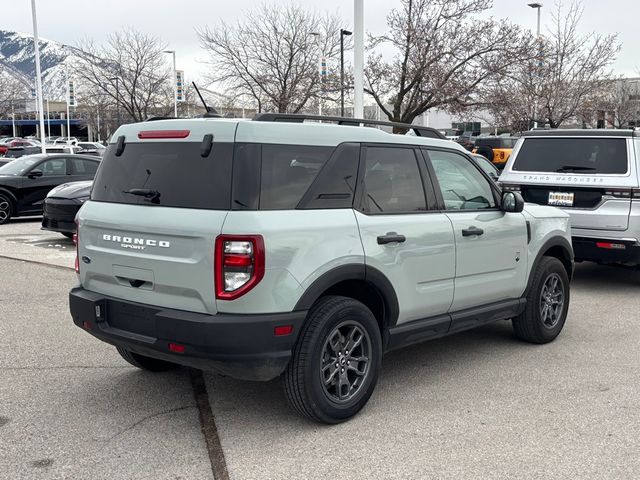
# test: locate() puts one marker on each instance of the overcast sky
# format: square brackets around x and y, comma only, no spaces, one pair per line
[68,21]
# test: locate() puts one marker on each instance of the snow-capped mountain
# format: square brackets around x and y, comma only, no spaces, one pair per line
[17,58]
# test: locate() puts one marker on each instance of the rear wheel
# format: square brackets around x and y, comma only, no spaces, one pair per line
[547,303]
[145,363]
[335,363]
[6,208]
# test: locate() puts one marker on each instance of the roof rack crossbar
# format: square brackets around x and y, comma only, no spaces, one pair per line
[419,130]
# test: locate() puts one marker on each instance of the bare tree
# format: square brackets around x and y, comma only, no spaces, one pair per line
[272,55]
[622,99]
[444,53]
[12,90]
[569,71]
[132,70]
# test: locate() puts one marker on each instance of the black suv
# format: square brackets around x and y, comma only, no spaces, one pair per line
[25,182]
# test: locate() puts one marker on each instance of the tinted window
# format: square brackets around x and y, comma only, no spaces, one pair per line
[287,173]
[174,173]
[486,166]
[463,187]
[335,184]
[83,167]
[573,155]
[53,166]
[392,181]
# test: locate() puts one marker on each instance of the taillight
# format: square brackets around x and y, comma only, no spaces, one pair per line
[611,246]
[76,265]
[618,193]
[239,264]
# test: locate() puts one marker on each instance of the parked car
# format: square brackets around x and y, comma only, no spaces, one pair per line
[593,176]
[467,140]
[65,141]
[17,152]
[92,148]
[62,205]
[16,143]
[306,250]
[495,148]
[488,167]
[25,182]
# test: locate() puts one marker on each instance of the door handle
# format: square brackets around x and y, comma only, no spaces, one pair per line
[471,231]
[391,237]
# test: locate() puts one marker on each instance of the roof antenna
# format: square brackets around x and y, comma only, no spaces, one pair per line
[211,112]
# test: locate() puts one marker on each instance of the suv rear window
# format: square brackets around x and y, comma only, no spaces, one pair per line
[573,155]
[287,173]
[176,172]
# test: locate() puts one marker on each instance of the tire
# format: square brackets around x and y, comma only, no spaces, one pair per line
[145,363]
[338,321]
[6,208]
[487,153]
[534,325]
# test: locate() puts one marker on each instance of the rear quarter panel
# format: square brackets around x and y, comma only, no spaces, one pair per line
[300,246]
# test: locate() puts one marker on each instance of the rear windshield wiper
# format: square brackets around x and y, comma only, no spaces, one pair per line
[143,192]
[573,168]
[150,195]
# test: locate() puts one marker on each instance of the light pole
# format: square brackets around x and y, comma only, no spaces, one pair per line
[316,35]
[537,6]
[358,58]
[173,83]
[343,33]
[48,120]
[38,74]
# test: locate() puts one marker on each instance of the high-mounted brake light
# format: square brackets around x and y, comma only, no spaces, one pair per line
[239,264]
[160,134]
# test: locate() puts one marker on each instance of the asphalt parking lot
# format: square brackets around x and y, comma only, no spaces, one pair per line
[475,405]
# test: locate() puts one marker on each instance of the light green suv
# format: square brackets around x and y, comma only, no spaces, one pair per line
[304,249]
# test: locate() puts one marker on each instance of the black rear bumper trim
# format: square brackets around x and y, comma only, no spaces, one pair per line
[240,346]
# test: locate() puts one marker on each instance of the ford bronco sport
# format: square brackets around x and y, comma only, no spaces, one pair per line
[280,247]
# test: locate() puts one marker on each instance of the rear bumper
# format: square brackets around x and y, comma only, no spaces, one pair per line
[240,346]
[619,252]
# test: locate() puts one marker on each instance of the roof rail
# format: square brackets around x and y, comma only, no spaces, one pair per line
[419,130]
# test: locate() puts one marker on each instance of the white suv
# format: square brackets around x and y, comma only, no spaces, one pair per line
[278,247]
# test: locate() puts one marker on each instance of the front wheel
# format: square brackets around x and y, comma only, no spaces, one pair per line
[6,208]
[547,303]
[335,363]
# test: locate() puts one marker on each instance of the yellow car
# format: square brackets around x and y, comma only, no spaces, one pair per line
[496,149]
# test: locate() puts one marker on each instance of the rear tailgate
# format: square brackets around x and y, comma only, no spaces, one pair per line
[156,256]
[148,233]
[591,178]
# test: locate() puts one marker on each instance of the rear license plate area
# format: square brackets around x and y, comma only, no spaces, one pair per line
[560,199]
[132,318]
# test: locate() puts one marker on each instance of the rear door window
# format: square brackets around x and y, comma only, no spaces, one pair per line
[589,156]
[173,175]
[392,181]
[287,172]
[53,166]
[83,167]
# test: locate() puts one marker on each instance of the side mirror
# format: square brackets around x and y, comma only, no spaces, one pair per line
[35,173]
[512,202]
